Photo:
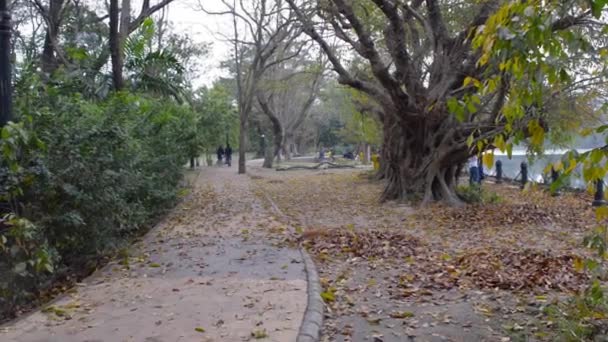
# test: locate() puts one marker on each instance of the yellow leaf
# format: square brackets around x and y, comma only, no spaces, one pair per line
[499,141]
[467,81]
[488,159]
[571,166]
[470,140]
[579,265]
[328,296]
[601,213]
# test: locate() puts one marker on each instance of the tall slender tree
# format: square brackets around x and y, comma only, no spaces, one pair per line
[262,30]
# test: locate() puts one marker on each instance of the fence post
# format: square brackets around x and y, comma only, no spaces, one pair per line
[498,171]
[554,177]
[598,199]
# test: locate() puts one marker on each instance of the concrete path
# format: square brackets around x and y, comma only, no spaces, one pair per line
[213,270]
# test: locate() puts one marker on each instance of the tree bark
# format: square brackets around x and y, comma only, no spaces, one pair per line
[53,18]
[115,46]
[277,132]
[421,159]
[243,142]
[268,157]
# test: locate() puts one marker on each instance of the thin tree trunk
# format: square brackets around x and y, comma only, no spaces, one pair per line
[115,46]
[367,154]
[243,142]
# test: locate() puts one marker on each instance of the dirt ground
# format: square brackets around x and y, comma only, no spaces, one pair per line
[216,269]
[396,272]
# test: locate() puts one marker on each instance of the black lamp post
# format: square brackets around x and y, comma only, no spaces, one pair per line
[5,64]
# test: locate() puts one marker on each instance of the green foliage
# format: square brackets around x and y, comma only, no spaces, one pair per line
[218,121]
[582,317]
[551,71]
[477,194]
[80,177]
[329,133]
[153,70]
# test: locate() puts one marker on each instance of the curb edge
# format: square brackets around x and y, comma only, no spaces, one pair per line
[312,322]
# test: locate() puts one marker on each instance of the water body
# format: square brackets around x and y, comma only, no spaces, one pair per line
[511,167]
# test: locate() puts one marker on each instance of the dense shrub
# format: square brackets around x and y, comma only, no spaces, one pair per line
[477,194]
[78,177]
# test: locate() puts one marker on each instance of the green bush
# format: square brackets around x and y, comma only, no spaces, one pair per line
[79,177]
[583,317]
[476,194]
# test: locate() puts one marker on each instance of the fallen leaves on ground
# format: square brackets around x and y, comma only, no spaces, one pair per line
[504,268]
[387,261]
[368,244]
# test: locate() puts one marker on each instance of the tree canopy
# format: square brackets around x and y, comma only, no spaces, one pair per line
[452,80]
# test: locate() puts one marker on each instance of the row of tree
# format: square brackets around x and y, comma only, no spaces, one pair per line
[445,80]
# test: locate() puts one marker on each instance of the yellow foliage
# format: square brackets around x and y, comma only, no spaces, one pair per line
[488,159]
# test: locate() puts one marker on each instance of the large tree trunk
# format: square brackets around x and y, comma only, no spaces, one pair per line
[268,157]
[53,18]
[289,146]
[421,162]
[277,133]
[277,141]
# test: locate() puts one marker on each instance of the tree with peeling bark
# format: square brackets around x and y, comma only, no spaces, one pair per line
[454,79]
[265,34]
[285,96]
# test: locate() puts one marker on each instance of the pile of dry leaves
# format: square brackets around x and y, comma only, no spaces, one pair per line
[365,244]
[424,266]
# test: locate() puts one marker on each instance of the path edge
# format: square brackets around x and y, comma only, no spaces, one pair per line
[310,328]
[312,322]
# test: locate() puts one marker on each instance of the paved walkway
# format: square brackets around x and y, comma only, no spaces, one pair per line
[213,270]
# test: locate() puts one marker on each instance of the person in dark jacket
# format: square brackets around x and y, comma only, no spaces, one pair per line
[228,153]
[220,154]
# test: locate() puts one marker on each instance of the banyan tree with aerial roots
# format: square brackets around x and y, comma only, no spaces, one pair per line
[451,79]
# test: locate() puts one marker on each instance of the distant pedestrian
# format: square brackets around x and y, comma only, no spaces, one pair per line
[220,155]
[480,170]
[228,154]
[473,170]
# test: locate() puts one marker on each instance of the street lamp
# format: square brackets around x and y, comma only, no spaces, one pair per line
[5,65]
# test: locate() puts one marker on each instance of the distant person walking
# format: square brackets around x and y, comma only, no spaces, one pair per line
[480,170]
[228,153]
[474,170]
[220,155]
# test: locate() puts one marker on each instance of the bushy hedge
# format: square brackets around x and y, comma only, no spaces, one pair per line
[78,177]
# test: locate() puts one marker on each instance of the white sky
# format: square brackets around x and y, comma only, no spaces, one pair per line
[187,17]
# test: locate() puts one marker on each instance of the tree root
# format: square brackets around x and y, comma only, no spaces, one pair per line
[316,167]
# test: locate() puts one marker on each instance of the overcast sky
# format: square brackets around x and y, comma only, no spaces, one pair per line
[187,17]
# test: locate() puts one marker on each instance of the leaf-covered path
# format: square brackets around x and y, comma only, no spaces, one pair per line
[214,270]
